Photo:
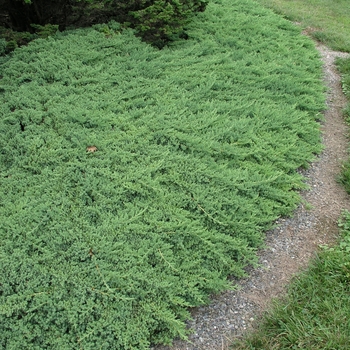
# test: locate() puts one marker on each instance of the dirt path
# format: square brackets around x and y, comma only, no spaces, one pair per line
[291,245]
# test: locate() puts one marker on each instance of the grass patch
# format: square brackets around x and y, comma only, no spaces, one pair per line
[328,20]
[315,314]
[133,181]
[344,68]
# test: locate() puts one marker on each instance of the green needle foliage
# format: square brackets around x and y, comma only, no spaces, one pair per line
[133,181]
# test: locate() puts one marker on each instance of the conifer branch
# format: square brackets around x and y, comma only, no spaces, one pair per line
[172,267]
[104,281]
[210,216]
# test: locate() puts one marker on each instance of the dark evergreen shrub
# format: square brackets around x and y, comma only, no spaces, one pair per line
[13,39]
[156,21]
[2,46]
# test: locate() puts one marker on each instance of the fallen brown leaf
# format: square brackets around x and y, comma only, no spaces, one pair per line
[91,149]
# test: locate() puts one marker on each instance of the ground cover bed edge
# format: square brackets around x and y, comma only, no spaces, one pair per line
[135,180]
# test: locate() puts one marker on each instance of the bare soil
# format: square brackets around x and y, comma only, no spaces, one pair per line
[292,243]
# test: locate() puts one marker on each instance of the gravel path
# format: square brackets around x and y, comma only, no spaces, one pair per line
[291,245]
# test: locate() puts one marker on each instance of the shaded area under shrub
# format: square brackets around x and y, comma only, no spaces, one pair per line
[156,21]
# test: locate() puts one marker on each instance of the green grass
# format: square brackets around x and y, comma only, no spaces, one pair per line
[328,20]
[315,313]
[344,68]
[195,152]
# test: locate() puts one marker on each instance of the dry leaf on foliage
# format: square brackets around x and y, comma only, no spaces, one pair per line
[91,149]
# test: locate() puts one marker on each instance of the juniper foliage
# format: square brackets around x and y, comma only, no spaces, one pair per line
[133,181]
